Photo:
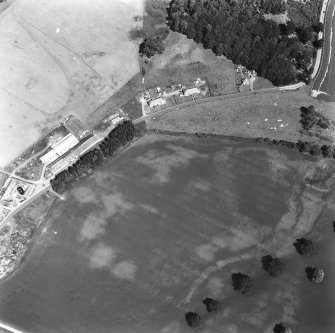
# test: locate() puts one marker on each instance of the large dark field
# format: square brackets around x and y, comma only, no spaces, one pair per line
[162,226]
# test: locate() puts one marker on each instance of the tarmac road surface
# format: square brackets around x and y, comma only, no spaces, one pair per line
[325,79]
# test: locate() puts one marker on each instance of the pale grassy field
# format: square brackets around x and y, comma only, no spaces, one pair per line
[183,61]
[60,57]
[273,115]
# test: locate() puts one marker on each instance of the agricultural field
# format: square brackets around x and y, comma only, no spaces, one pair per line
[163,225]
[273,115]
[66,57]
[321,175]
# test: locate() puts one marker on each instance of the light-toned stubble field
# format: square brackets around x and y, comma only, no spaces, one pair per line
[60,58]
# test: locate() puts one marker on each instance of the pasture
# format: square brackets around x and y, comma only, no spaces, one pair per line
[163,225]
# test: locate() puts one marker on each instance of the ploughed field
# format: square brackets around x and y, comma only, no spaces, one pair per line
[162,226]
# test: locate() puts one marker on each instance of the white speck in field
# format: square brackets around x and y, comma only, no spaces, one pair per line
[281,125]
[279,120]
[275,104]
[248,122]
[266,119]
[57,30]
[55,232]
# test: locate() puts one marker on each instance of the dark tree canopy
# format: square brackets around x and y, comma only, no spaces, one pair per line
[242,283]
[318,43]
[193,319]
[152,46]
[238,30]
[310,118]
[212,305]
[314,274]
[280,328]
[273,266]
[304,247]
[273,6]
[121,135]
[305,34]
[318,27]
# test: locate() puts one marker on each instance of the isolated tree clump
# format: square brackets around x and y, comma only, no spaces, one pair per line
[193,319]
[304,247]
[242,283]
[314,274]
[280,328]
[212,305]
[152,46]
[311,118]
[273,266]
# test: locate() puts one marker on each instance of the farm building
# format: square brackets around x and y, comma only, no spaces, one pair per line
[157,102]
[191,91]
[59,148]
[74,126]
[12,195]
[115,118]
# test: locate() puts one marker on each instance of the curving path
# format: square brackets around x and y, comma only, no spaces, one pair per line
[324,82]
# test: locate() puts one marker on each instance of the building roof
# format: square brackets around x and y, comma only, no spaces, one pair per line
[157,101]
[74,125]
[59,148]
[191,91]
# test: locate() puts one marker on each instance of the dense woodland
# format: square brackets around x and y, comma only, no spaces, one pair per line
[118,137]
[237,29]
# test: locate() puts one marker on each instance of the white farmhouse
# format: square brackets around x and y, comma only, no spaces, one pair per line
[191,91]
[157,102]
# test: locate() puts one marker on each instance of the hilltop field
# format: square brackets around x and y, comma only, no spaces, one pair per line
[62,57]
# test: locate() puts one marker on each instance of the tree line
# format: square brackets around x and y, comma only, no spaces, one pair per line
[122,134]
[326,151]
[238,30]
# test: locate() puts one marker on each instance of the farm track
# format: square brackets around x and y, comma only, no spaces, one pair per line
[49,53]
[64,46]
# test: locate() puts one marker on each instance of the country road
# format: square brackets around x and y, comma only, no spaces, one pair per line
[208,100]
[24,204]
[325,79]
[148,116]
